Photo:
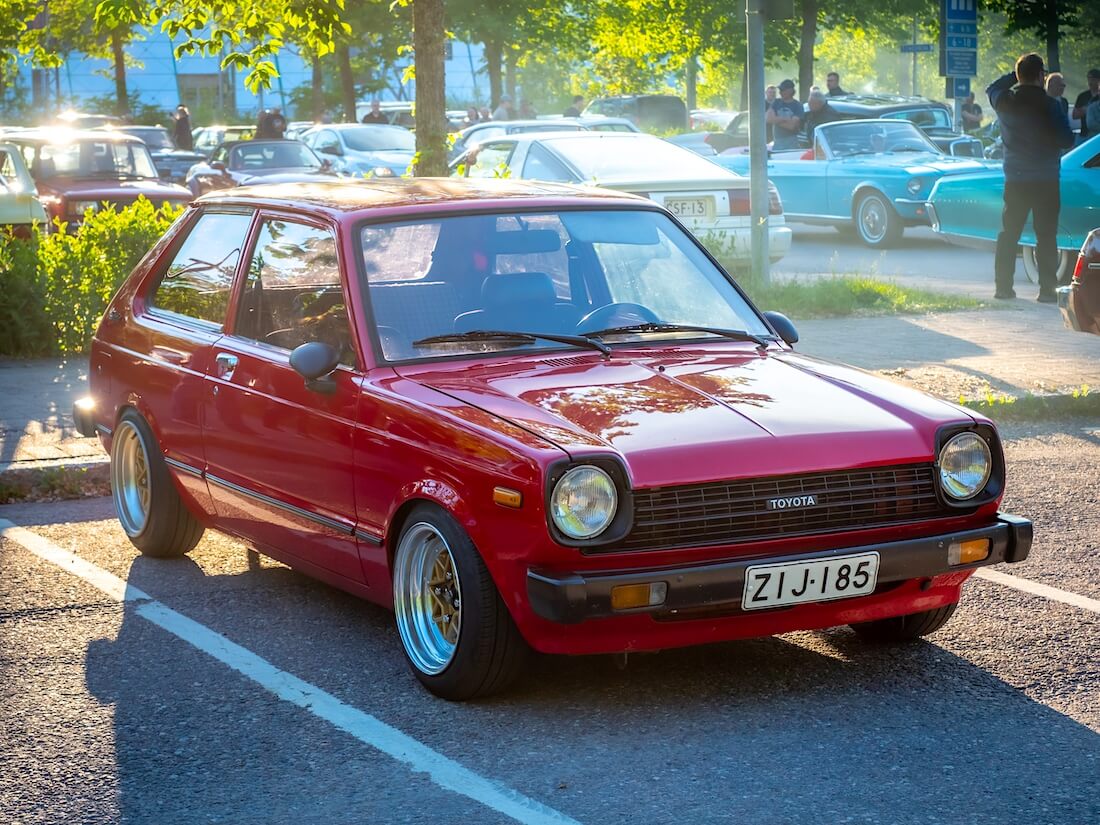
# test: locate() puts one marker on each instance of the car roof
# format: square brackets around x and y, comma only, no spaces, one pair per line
[63,134]
[229,144]
[341,126]
[882,103]
[346,197]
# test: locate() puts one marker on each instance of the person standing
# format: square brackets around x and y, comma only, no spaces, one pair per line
[785,117]
[832,83]
[820,112]
[771,92]
[1087,106]
[971,115]
[503,111]
[181,129]
[375,114]
[471,117]
[1035,131]
[576,108]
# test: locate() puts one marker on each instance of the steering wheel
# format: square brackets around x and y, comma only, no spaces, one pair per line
[907,146]
[616,315]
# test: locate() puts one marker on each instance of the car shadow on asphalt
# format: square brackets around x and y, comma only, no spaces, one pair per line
[802,724]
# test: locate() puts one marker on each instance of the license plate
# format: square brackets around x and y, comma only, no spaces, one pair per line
[776,585]
[690,207]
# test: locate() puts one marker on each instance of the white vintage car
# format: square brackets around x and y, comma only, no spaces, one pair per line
[19,203]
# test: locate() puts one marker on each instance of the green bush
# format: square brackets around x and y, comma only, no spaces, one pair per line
[56,286]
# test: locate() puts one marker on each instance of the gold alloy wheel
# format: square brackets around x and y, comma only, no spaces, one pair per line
[427,598]
[130,486]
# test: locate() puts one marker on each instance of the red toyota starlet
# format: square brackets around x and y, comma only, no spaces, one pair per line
[526,416]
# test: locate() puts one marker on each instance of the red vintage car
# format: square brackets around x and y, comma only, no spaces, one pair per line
[1079,302]
[526,416]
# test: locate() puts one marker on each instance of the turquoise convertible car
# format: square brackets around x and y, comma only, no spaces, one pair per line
[870,175]
[970,208]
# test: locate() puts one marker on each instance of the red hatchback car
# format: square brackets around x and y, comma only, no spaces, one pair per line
[526,416]
[1080,300]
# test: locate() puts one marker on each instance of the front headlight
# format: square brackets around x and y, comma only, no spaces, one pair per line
[965,466]
[78,208]
[584,501]
[914,186]
[382,172]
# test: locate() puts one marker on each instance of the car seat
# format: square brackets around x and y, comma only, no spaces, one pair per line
[520,301]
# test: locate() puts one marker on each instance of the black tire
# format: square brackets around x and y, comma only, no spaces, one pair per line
[490,652]
[876,223]
[169,529]
[905,628]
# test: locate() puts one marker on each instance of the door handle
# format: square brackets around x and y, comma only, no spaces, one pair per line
[225,365]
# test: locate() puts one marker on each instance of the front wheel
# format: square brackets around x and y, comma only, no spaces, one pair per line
[1066,261]
[905,628]
[876,222]
[456,633]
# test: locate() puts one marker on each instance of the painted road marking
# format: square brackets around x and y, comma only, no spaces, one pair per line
[1038,589]
[443,771]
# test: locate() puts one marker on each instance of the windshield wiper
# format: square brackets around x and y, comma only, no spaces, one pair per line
[734,334]
[509,335]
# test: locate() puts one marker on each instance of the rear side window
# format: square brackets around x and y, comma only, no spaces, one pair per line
[198,281]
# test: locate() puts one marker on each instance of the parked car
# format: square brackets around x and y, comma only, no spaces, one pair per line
[661,112]
[490,130]
[695,142]
[241,162]
[76,170]
[931,117]
[86,120]
[19,204]
[970,207]
[398,112]
[361,149]
[1080,301]
[710,119]
[206,139]
[526,416]
[172,163]
[712,202]
[870,175]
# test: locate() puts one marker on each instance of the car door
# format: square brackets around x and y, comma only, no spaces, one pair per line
[280,454]
[19,202]
[1080,212]
[490,160]
[168,344]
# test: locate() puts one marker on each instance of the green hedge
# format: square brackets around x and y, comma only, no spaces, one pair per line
[54,287]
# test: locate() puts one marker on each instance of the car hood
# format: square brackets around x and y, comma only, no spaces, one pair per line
[728,180]
[117,190]
[179,155]
[915,163]
[389,157]
[682,417]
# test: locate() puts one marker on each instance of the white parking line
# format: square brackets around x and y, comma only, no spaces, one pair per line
[444,772]
[1037,589]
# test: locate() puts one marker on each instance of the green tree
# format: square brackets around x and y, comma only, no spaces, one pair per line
[1048,19]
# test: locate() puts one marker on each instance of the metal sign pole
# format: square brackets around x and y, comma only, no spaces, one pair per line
[758,150]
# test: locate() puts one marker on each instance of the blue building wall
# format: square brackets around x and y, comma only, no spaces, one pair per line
[158,78]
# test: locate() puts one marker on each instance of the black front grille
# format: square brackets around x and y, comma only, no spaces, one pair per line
[737,511]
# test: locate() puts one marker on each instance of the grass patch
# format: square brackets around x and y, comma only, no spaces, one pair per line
[1078,403]
[846,295]
[54,483]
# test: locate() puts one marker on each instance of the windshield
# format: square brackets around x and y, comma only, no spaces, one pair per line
[559,273]
[874,138]
[94,159]
[378,138]
[285,155]
[155,139]
[605,156]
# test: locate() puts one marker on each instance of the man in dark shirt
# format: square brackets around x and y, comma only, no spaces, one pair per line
[820,112]
[832,83]
[575,109]
[1089,126]
[1034,131]
[971,114]
[375,114]
[785,118]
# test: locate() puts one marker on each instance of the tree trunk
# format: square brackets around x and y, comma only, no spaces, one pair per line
[691,75]
[493,66]
[347,83]
[806,48]
[118,54]
[510,77]
[1054,62]
[317,85]
[429,36]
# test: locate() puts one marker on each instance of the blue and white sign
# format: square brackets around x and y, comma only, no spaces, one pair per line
[959,38]
[958,87]
[909,48]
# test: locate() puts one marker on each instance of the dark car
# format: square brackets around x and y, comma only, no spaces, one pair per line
[172,163]
[931,117]
[526,415]
[1080,301]
[657,112]
[236,163]
[76,170]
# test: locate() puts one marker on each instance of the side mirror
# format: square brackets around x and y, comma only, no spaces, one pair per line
[330,149]
[218,166]
[315,362]
[782,324]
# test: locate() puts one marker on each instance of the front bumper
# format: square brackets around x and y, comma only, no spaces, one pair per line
[913,212]
[572,598]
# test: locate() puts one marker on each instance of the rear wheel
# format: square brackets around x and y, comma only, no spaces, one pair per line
[1066,261]
[905,628]
[456,633]
[876,222]
[149,508]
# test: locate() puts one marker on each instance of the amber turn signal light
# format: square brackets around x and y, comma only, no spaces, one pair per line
[627,596]
[507,498]
[968,552]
